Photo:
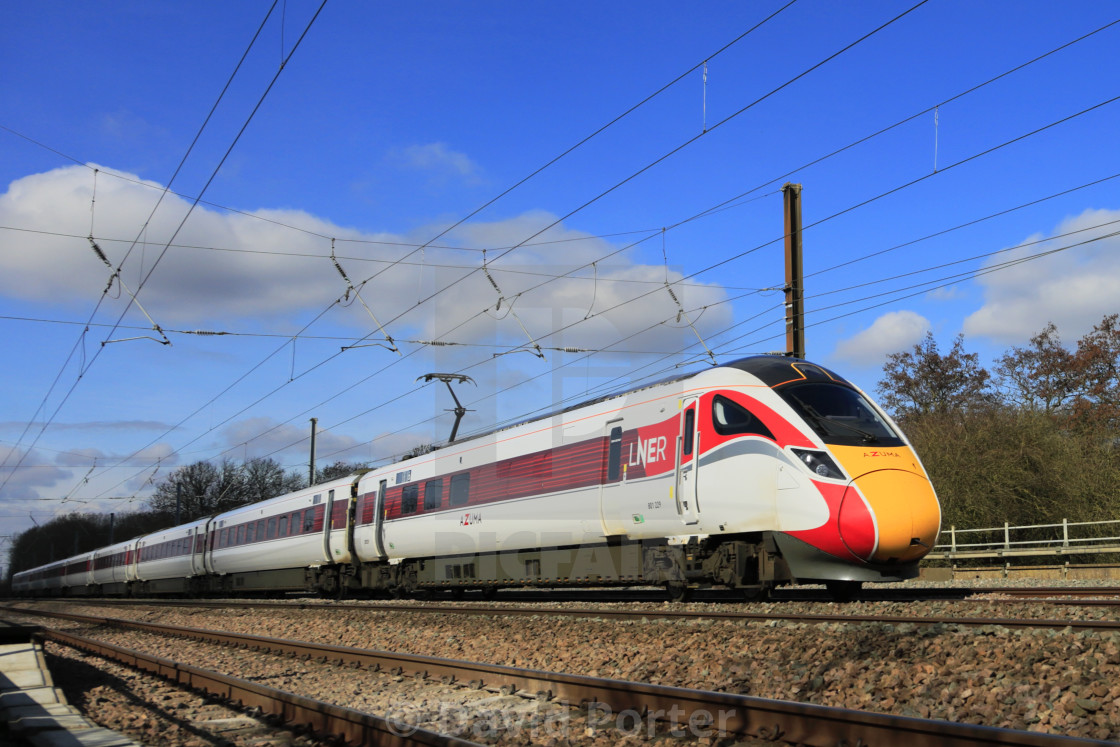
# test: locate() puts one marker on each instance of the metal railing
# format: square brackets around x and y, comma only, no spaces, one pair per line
[1066,538]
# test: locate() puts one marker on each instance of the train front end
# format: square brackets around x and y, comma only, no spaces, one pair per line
[883,512]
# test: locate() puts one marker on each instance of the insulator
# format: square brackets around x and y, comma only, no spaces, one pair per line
[341,272]
[492,281]
[99,253]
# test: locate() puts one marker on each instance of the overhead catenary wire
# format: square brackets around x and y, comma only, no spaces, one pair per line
[81,338]
[593,135]
[896,189]
[864,203]
[686,144]
[940,283]
[431,244]
[577,145]
[891,191]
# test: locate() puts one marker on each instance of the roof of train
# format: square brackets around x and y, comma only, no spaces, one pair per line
[772,370]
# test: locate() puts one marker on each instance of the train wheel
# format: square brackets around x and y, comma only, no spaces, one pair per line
[678,591]
[755,593]
[843,591]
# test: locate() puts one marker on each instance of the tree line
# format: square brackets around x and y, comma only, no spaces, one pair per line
[1032,441]
[188,493]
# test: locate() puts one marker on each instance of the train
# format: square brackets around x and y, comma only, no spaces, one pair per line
[749,475]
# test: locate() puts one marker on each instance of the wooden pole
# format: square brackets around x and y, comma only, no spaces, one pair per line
[795,299]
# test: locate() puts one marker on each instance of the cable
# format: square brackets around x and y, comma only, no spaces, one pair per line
[533,236]
[677,149]
[594,134]
[952,279]
[97,306]
[632,299]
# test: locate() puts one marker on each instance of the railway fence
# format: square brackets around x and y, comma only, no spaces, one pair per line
[1034,540]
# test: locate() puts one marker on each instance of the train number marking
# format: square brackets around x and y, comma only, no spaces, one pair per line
[653,504]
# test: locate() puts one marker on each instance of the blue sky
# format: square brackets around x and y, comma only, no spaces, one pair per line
[391,124]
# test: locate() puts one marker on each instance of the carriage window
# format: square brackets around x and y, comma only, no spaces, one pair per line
[408,498]
[308,520]
[433,494]
[460,489]
[251,533]
[283,526]
[272,528]
[731,418]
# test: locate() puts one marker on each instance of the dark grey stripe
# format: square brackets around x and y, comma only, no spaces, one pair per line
[743,448]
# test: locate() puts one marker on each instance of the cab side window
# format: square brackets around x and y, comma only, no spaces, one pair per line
[731,418]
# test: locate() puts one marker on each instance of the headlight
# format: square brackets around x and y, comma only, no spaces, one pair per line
[819,463]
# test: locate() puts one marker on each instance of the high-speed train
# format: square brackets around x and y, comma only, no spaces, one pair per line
[749,475]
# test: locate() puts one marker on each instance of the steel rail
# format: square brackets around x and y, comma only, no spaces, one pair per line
[1053,591]
[774,720]
[347,724]
[617,614]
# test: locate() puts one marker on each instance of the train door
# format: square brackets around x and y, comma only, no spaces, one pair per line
[340,514]
[379,519]
[198,550]
[328,525]
[688,462]
[213,530]
[613,478]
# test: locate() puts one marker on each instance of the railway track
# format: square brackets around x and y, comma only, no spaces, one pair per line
[1057,594]
[656,614]
[349,725]
[605,702]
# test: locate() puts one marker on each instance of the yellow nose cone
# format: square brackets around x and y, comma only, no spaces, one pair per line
[907,516]
[901,499]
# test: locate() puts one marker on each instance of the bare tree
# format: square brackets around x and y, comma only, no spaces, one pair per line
[1041,377]
[1098,363]
[922,381]
[187,491]
[266,478]
[338,469]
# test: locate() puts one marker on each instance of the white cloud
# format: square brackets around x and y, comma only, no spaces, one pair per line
[948,293]
[29,477]
[231,271]
[890,333]
[438,162]
[254,273]
[1074,288]
[264,436]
